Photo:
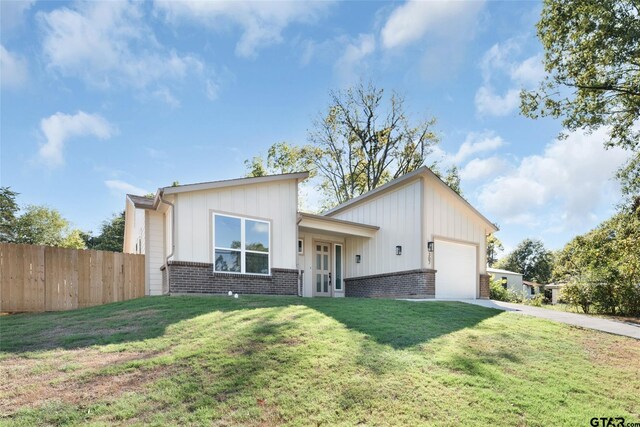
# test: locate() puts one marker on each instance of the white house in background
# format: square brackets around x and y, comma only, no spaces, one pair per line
[412,237]
[513,281]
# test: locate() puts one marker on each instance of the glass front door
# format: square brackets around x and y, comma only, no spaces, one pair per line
[322,269]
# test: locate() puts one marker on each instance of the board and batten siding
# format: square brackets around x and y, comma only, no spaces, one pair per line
[272,201]
[154,252]
[397,213]
[447,217]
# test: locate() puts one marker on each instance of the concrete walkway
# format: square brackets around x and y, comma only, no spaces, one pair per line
[582,320]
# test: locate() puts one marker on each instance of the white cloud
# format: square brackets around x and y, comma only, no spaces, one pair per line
[478,169]
[499,63]
[262,23]
[477,142]
[492,104]
[565,184]
[107,43]
[13,69]
[355,52]
[119,188]
[167,97]
[414,19]
[60,127]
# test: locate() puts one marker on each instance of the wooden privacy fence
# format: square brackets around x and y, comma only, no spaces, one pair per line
[45,278]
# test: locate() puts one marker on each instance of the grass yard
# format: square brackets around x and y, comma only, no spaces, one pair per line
[273,361]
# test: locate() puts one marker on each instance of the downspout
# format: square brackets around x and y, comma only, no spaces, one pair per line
[300,272]
[173,241]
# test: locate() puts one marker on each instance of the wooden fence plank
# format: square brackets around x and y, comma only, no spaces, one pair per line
[43,278]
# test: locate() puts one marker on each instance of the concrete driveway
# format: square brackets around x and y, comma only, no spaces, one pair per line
[582,320]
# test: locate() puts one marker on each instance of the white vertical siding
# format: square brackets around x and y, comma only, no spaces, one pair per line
[397,213]
[154,251]
[448,217]
[272,201]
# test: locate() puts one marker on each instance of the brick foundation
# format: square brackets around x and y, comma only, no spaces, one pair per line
[198,277]
[420,283]
[484,286]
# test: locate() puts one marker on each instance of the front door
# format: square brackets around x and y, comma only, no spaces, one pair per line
[322,269]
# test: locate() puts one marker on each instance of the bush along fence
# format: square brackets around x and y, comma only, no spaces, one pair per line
[44,278]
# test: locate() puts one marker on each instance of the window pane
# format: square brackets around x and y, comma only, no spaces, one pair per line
[257,263]
[326,282]
[227,231]
[326,262]
[227,260]
[318,265]
[256,235]
[338,267]
[318,282]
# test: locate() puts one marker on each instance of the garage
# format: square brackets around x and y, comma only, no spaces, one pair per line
[456,269]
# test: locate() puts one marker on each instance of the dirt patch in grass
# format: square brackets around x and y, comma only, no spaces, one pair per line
[603,349]
[71,377]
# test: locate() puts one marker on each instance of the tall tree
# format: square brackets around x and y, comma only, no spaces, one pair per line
[494,245]
[8,210]
[111,237]
[531,259]
[283,157]
[365,140]
[592,59]
[40,225]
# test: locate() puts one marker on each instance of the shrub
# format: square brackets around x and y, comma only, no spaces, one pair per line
[578,294]
[499,293]
[536,301]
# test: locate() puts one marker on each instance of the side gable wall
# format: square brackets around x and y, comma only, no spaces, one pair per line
[448,217]
[273,201]
[397,213]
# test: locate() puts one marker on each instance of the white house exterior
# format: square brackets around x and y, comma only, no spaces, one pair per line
[412,237]
[510,279]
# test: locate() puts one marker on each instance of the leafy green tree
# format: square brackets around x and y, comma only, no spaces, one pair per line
[451,178]
[8,210]
[608,259]
[494,245]
[531,259]
[365,140]
[592,60]
[282,157]
[40,225]
[111,237]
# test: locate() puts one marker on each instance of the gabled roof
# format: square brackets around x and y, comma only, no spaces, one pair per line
[233,182]
[406,178]
[497,270]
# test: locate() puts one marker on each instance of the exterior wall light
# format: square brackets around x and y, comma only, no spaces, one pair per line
[358,258]
[398,250]
[430,246]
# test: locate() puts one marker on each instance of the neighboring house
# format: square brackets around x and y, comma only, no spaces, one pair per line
[510,279]
[412,237]
[556,288]
[532,288]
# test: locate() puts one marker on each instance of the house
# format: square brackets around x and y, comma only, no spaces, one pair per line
[413,237]
[510,279]
[556,288]
[532,288]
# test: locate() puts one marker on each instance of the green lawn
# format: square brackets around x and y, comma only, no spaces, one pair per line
[273,361]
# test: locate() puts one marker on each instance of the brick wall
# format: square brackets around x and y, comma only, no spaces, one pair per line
[420,283]
[197,277]
[484,286]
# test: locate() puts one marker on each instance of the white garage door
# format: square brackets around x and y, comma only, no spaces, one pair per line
[456,267]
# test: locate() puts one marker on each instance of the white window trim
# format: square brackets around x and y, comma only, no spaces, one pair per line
[300,246]
[243,251]
[335,267]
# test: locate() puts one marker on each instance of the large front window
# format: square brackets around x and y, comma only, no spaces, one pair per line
[241,245]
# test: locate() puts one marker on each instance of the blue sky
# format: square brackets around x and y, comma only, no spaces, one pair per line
[103,98]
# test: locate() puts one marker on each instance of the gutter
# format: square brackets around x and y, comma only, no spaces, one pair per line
[173,223]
